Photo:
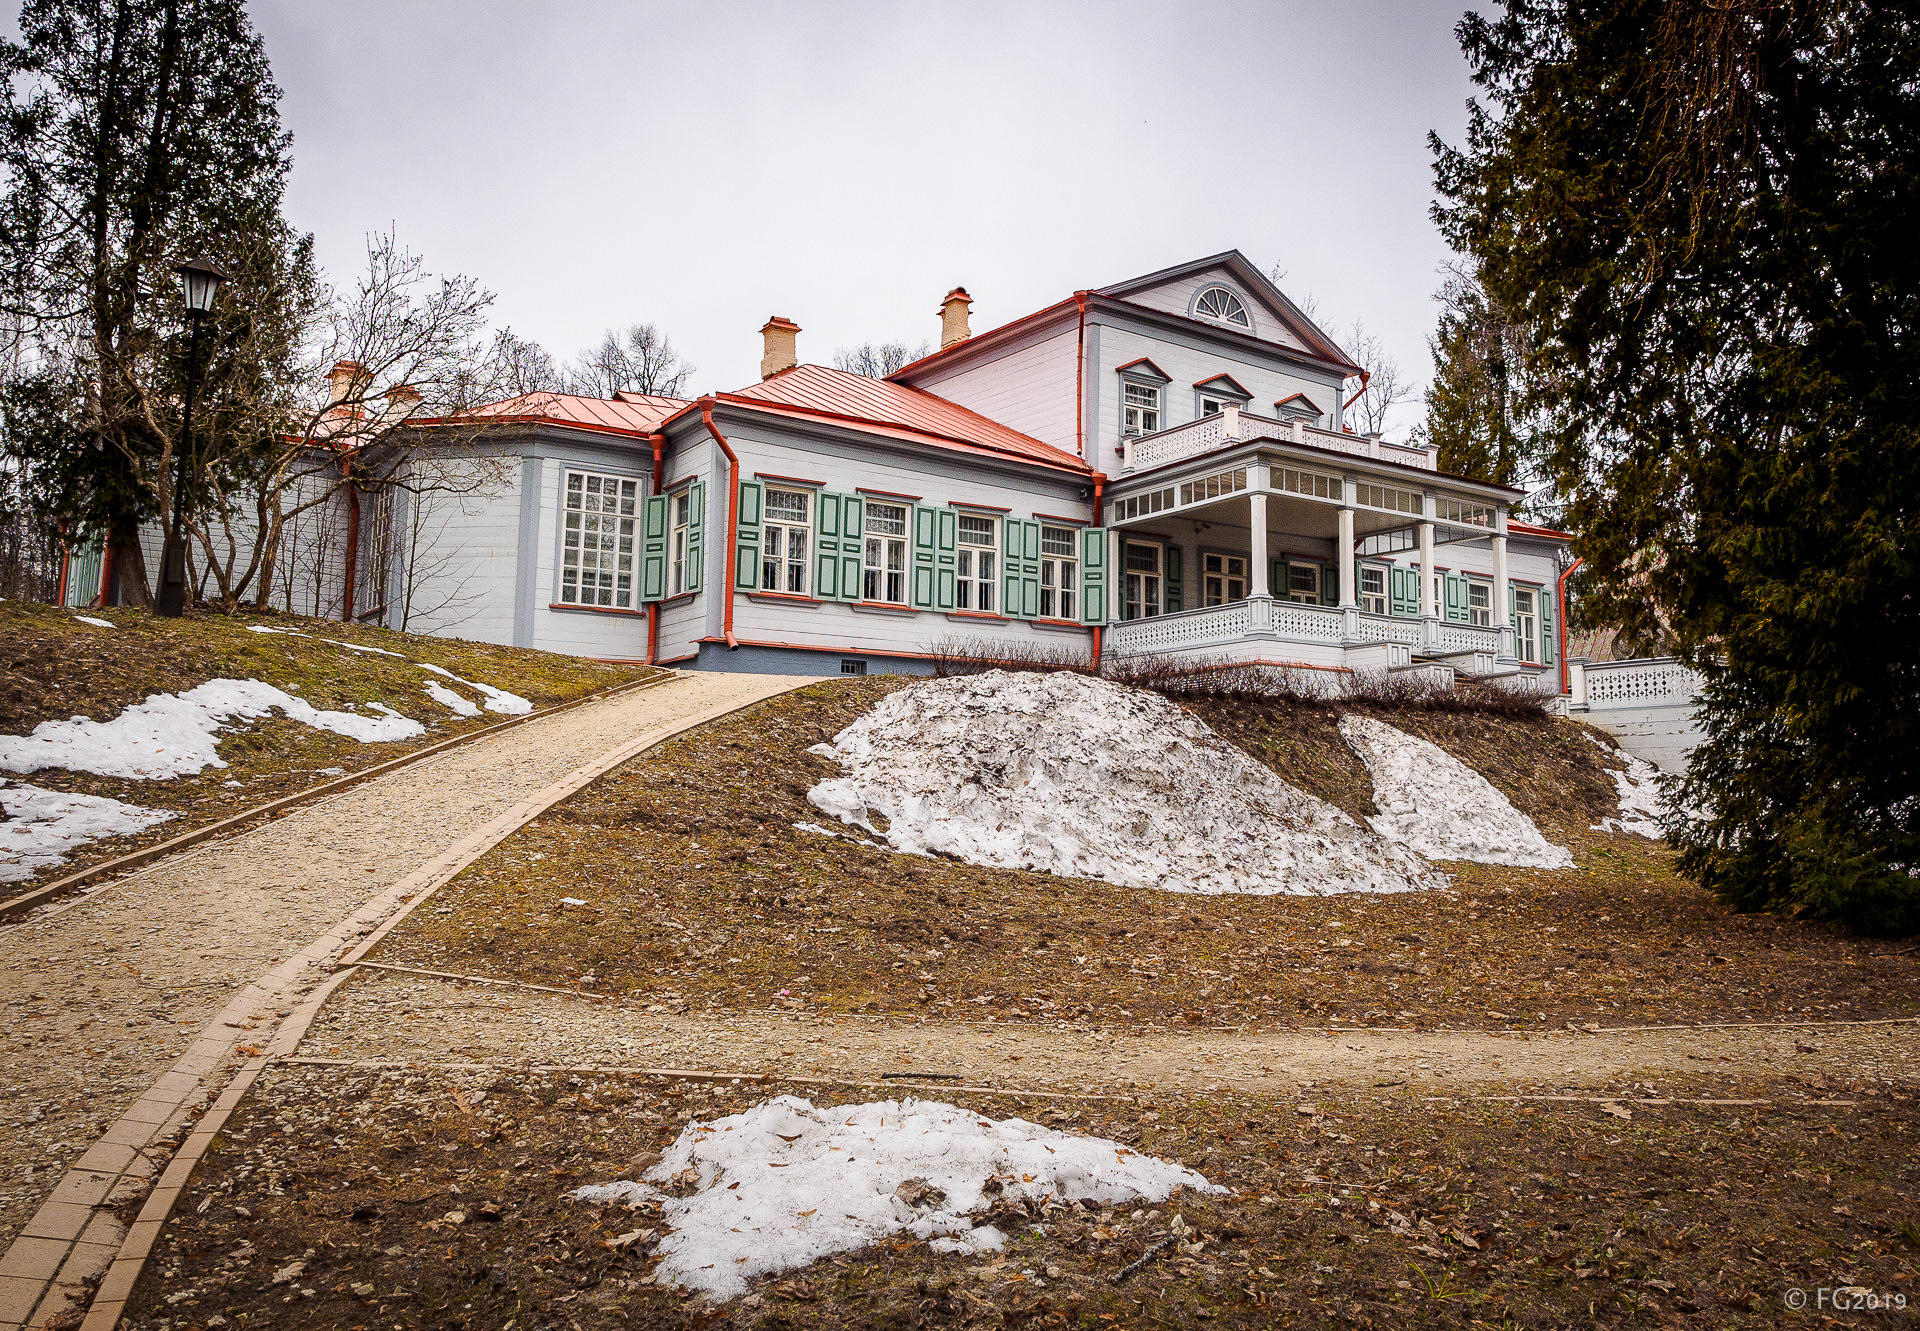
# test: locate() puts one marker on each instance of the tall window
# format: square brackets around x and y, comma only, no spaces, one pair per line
[1059,572]
[1526,623]
[1143,581]
[1373,589]
[789,536]
[1224,579]
[1220,303]
[1303,583]
[596,566]
[979,541]
[1480,603]
[682,515]
[1140,409]
[886,553]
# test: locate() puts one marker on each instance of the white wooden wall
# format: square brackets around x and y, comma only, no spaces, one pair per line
[1029,385]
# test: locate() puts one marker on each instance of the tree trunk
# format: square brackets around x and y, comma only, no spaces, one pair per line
[130,566]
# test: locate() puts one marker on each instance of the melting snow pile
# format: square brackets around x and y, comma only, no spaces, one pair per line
[1085,778]
[175,734]
[785,1184]
[1436,804]
[446,697]
[42,826]
[1641,807]
[498,700]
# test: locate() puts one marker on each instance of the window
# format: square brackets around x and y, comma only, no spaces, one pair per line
[1526,623]
[1373,589]
[1226,483]
[886,553]
[1385,496]
[596,565]
[979,540]
[852,667]
[1143,581]
[1307,483]
[1480,603]
[682,514]
[1141,505]
[1221,304]
[1213,406]
[1467,515]
[1224,579]
[789,536]
[1303,583]
[1059,572]
[1140,409]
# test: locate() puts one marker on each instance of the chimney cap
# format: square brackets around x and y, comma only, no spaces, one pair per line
[780,321]
[958,293]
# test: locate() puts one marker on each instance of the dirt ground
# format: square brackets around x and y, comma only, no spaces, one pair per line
[53,666]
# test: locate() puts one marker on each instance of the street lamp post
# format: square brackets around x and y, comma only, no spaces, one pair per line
[199,280]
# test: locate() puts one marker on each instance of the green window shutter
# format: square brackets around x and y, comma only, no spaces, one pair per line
[1513,605]
[946,559]
[1456,596]
[696,535]
[1277,579]
[1404,586]
[1329,584]
[1174,597]
[1029,572]
[926,544]
[653,550]
[1093,575]
[826,543]
[746,546]
[1547,643]
[1012,547]
[853,528]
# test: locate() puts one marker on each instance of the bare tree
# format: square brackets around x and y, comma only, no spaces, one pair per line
[436,583]
[640,360]
[878,360]
[527,367]
[1383,388]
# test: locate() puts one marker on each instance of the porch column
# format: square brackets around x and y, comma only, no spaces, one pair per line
[1427,608]
[1502,620]
[1257,542]
[1349,588]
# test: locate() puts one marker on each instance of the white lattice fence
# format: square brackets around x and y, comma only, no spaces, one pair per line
[1640,683]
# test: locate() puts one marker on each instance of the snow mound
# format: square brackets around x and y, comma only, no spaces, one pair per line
[355,647]
[176,734]
[1432,802]
[97,623]
[43,826]
[446,697]
[1082,777]
[785,1184]
[1642,807]
[498,700]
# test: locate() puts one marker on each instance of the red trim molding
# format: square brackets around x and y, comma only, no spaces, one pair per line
[983,508]
[595,610]
[781,596]
[885,494]
[1065,522]
[790,480]
[987,615]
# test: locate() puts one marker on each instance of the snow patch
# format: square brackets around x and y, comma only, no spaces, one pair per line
[355,647]
[498,700]
[1082,777]
[785,1184]
[446,697]
[268,628]
[43,826]
[176,734]
[1432,802]
[1643,810]
[97,623]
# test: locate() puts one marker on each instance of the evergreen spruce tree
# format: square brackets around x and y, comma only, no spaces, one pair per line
[1703,213]
[1476,401]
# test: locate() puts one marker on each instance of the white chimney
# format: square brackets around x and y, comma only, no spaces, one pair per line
[781,346]
[953,317]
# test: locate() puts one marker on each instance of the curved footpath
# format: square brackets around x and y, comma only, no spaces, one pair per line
[128,1009]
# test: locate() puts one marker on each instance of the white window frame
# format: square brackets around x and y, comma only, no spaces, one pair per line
[1145,591]
[977,565]
[680,510]
[884,563]
[1223,308]
[1144,415]
[781,569]
[1296,595]
[1480,616]
[1059,573]
[1372,602]
[611,558]
[1219,584]
[1526,623]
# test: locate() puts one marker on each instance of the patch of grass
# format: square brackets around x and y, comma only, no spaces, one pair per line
[700,890]
[430,1199]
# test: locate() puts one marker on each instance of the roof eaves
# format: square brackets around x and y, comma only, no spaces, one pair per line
[774,407]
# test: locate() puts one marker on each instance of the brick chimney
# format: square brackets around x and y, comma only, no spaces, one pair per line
[402,400]
[782,351]
[953,317]
[342,375]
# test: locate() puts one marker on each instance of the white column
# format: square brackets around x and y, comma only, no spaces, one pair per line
[1349,588]
[1500,617]
[1427,608]
[1257,543]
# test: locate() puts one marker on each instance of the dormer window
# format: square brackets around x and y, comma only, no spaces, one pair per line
[1222,306]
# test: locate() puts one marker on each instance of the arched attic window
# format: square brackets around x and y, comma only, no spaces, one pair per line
[1222,305]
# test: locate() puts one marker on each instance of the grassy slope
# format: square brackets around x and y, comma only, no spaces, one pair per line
[700,890]
[53,667]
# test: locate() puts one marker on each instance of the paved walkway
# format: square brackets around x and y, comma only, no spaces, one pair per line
[127,1010]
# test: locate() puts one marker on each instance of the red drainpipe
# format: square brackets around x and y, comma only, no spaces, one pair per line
[66,558]
[1100,484]
[353,547]
[733,516]
[653,607]
[102,598]
[1365,379]
[1560,592]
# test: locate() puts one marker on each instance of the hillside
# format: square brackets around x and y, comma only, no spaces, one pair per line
[398,692]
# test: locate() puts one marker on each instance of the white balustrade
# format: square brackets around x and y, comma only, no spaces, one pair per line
[1219,626]
[1144,452]
[1646,683]
[1467,638]
[1386,628]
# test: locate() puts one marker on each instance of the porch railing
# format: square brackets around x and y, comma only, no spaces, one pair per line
[1648,682]
[1220,626]
[1145,452]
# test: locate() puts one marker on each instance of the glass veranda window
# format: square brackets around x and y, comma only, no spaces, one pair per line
[886,557]
[789,536]
[1303,583]
[1373,590]
[1144,586]
[1059,572]
[596,566]
[1141,409]
[979,541]
[1226,579]
[1480,603]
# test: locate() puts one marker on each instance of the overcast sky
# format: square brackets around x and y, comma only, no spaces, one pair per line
[702,166]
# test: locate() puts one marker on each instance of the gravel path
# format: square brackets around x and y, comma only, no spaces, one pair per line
[103,993]
[414,1018]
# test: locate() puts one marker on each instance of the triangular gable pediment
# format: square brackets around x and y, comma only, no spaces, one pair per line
[1299,404]
[1145,369]
[1224,385]
[1276,319]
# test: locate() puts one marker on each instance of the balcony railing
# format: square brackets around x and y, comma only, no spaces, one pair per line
[1220,626]
[1232,426]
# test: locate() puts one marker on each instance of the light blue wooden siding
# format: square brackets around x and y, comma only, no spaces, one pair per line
[467,559]
[1027,386]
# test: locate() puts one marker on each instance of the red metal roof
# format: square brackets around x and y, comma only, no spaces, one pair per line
[1528,529]
[881,406]
[630,413]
